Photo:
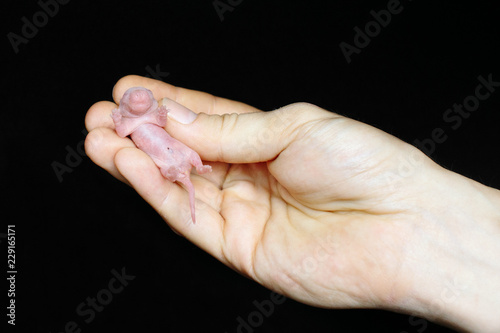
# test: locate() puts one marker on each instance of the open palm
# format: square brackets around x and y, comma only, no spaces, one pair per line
[302,200]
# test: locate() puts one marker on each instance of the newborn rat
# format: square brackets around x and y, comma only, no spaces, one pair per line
[140,117]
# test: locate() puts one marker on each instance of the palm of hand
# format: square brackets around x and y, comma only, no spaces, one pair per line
[315,223]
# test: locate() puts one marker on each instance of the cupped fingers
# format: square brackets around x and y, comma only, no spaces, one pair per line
[99,115]
[101,146]
[171,201]
[197,101]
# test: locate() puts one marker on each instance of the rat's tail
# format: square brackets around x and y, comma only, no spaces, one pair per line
[190,188]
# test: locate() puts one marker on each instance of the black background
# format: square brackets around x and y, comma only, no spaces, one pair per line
[72,233]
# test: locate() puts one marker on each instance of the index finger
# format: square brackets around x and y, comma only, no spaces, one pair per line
[196,101]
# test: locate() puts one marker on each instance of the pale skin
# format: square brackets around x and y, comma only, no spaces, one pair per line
[321,208]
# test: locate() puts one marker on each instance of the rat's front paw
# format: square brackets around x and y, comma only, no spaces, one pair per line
[162,116]
[203,169]
[117,116]
[162,111]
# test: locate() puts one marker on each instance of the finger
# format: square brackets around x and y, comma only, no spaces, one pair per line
[101,146]
[171,201]
[244,138]
[195,100]
[99,115]
[207,191]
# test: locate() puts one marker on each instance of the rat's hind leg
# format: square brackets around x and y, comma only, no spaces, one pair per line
[203,169]
[172,174]
[196,162]
[169,172]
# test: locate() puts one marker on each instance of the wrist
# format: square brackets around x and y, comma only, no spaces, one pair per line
[452,269]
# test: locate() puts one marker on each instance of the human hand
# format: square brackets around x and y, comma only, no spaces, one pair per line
[314,206]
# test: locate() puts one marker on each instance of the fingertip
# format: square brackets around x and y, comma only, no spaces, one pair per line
[144,176]
[122,85]
[92,142]
[159,88]
[197,101]
[98,115]
[171,201]
[132,163]
[101,144]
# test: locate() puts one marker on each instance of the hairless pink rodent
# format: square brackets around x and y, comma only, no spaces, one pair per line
[140,116]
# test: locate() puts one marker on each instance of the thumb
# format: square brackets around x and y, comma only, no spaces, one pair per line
[240,138]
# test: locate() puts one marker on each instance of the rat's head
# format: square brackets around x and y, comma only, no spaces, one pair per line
[138,100]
